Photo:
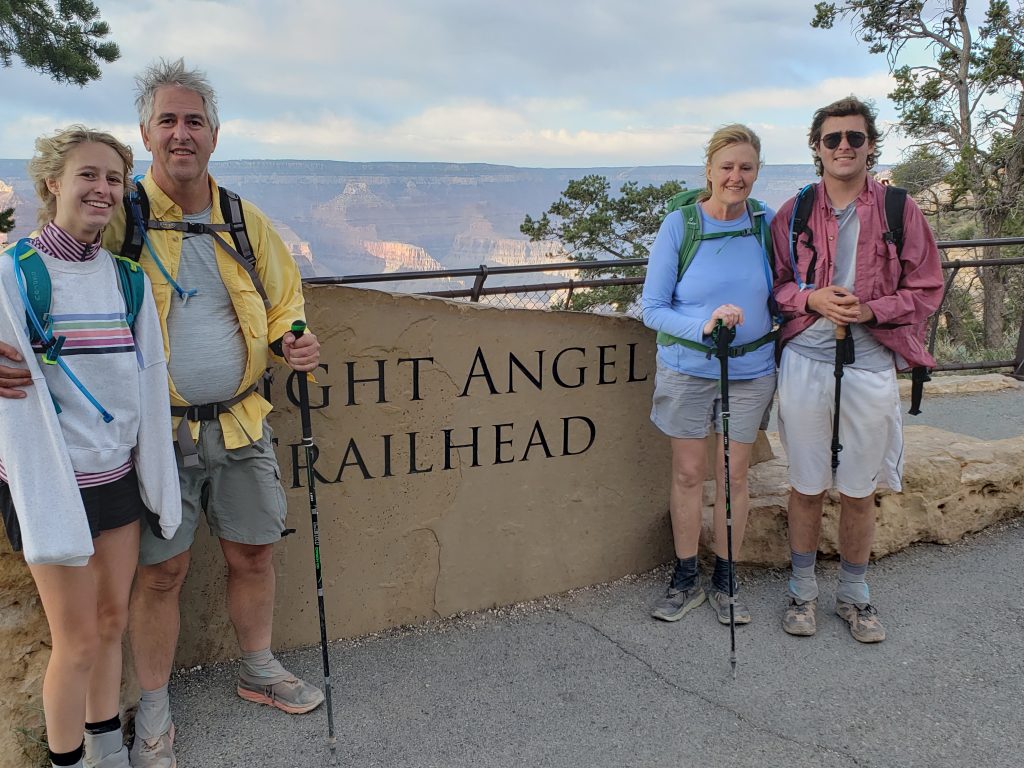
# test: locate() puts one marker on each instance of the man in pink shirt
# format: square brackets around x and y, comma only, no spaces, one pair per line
[846,276]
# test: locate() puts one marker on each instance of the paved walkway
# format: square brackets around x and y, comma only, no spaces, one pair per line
[588,679]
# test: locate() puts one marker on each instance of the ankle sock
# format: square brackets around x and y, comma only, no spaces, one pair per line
[720,578]
[153,718]
[67,759]
[802,583]
[853,588]
[685,575]
[262,668]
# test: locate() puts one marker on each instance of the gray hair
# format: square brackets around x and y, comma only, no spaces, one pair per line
[173,73]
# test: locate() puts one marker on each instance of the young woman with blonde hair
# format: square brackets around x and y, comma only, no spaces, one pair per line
[86,454]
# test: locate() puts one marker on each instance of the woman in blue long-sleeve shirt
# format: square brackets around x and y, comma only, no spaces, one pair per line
[728,280]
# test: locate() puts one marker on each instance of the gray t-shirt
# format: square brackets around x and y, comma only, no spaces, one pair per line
[818,341]
[207,349]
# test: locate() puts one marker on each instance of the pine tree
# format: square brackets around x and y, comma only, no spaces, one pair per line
[61,38]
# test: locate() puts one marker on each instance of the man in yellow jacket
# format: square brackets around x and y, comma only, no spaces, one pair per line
[218,333]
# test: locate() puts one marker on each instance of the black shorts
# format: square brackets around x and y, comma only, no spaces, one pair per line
[107,506]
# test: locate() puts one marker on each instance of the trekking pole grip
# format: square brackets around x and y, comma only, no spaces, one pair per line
[723,336]
[298,328]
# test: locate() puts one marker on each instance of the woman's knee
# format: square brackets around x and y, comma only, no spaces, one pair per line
[76,650]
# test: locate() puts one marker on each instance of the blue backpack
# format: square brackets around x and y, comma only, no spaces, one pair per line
[37,293]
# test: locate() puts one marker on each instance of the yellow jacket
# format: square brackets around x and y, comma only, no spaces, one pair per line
[260,325]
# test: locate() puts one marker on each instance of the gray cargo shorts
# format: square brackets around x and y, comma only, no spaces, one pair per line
[685,406]
[239,491]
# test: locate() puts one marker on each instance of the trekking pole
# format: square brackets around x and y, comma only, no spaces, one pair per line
[298,328]
[840,359]
[722,335]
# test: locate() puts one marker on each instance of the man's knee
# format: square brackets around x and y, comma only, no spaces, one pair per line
[163,578]
[248,559]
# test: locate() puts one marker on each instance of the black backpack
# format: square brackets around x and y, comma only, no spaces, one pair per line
[137,223]
[895,200]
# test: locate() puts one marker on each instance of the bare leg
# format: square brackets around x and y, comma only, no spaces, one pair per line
[856,528]
[805,521]
[251,586]
[155,621]
[739,463]
[689,465]
[68,595]
[117,553]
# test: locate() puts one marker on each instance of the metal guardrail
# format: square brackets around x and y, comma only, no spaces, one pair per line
[479,275]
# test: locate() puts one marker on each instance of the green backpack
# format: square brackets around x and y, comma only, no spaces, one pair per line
[693,234]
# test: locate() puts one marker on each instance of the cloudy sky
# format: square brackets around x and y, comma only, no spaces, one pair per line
[554,83]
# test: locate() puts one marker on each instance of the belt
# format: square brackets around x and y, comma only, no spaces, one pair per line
[205,412]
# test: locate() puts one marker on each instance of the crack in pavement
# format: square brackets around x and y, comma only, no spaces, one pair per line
[784,737]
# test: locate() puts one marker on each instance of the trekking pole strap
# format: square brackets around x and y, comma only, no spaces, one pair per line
[918,376]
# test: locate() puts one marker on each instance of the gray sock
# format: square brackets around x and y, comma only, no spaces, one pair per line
[101,747]
[852,586]
[262,668]
[802,583]
[154,716]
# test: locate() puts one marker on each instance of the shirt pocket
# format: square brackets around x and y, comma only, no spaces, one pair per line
[254,316]
[887,269]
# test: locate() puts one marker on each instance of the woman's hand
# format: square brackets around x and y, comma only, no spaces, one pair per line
[729,314]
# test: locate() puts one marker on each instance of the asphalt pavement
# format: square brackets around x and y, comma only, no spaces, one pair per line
[587,678]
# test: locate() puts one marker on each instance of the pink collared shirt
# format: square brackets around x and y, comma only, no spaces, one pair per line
[902,291]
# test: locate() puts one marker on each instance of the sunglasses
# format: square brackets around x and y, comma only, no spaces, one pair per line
[855,139]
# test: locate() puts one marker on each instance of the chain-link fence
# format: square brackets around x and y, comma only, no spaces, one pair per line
[979,325]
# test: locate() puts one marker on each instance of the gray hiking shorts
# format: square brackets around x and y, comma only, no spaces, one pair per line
[685,406]
[239,491]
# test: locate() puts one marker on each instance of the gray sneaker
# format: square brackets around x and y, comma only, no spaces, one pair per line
[720,602]
[154,753]
[799,618]
[293,695]
[106,750]
[676,603]
[863,620]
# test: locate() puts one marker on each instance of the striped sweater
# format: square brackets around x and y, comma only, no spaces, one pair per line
[46,456]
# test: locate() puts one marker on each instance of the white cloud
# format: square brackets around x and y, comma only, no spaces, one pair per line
[569,82]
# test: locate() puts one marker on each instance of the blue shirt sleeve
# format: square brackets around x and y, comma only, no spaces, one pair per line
[656,300]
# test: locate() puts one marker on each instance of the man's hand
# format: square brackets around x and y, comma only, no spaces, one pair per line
[12,380]
[837,304]
[301,354]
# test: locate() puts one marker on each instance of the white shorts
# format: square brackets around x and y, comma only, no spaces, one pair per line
[870,427]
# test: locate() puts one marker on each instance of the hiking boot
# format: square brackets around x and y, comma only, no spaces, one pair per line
[293,695]
[676,603]
[106,750]
[799,617]
[720,602]
[154,753]
[863,620]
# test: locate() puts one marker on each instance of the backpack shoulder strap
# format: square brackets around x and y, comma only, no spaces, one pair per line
[231,209]
[136,216]
[692,232]
[895,200]
[38,290]
[133,287]
[798,226]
